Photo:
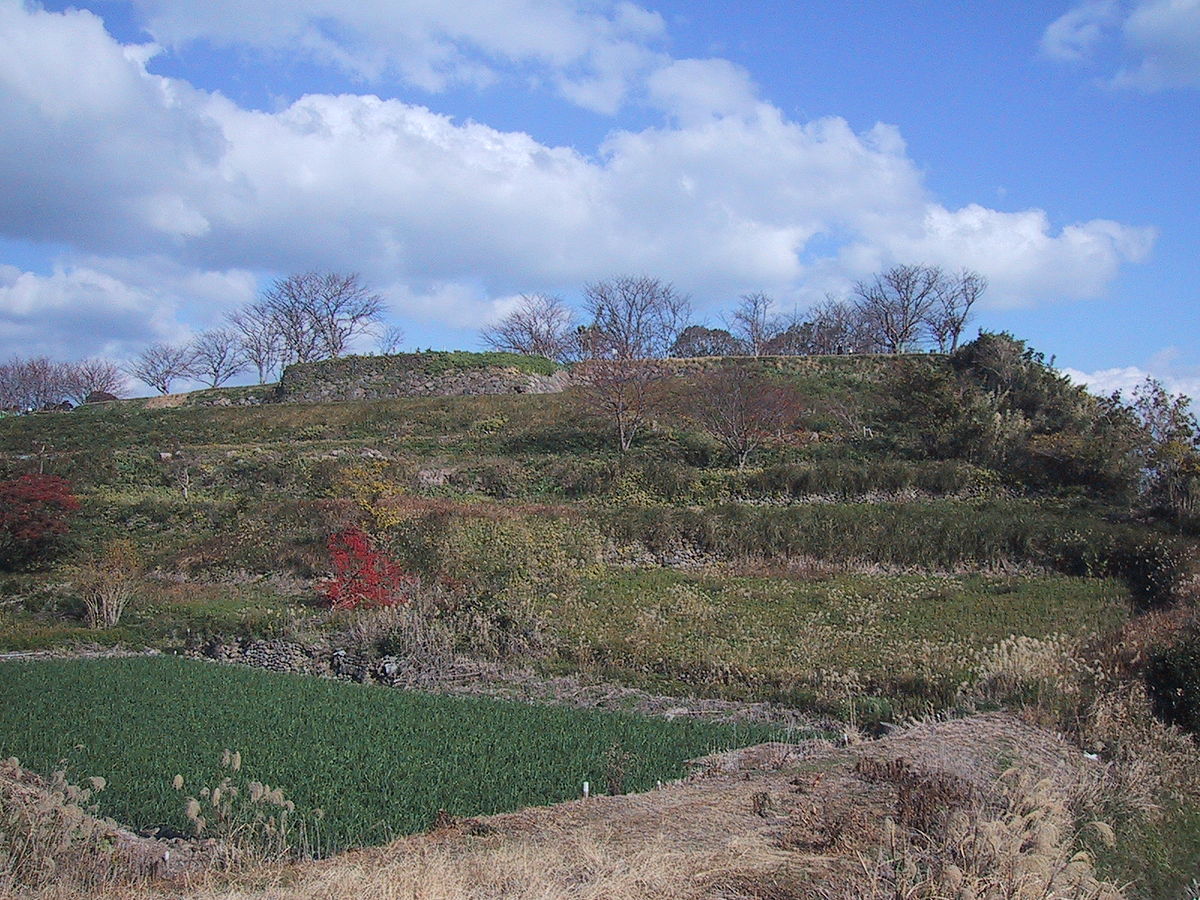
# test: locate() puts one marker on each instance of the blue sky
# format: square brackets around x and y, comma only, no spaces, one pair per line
[163,160]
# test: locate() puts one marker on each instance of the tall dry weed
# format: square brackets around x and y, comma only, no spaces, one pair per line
[1023,845]
[250,822]
[50,833]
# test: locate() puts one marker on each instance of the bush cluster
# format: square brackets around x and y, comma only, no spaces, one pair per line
[1173,681]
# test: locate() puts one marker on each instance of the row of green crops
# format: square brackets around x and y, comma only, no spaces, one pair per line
[379,763]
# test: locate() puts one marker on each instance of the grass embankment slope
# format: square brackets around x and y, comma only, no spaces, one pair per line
[863,531]
[524,501]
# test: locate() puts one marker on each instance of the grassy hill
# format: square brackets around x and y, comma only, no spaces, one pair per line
[929,534]
[522,509]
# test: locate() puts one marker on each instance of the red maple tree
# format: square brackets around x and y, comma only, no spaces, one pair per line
[34,513]
[363,577]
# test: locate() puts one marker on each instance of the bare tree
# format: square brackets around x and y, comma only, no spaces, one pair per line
[391,339]
[9,392]
[897,302]
[33,383]
[634,317]
[317,314]
[753,324]
[539,325]
[743,410]
[160,364]
[261,339]
[635,321]
[290,311]
[93,376]
[839,327]
[623,391]
[218,355]
[344,309]
[950,314]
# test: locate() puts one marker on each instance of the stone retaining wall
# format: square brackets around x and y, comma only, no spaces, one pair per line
[382,377]
[429,374]
[333,662]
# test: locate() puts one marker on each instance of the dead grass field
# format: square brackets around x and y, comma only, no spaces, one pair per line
[973,807]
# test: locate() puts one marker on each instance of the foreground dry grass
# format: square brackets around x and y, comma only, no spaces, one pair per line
[975,807]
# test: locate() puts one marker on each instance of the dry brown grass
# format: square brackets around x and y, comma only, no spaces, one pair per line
[925,813]
[51,838]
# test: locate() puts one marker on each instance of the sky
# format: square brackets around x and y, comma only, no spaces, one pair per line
[163,161]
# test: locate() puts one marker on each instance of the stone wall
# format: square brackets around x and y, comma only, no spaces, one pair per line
[864,365]
[454,374]
[333,662]
[412,375]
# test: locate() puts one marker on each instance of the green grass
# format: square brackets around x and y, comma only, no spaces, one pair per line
[910,638]
[378,762]
[40,613]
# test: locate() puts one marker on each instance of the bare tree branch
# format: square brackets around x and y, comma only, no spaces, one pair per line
[743,410]
[217,356]
[753,324]
[391,339]
[950,314]
[308,316]
[343,309]
[896,303]
[540,325]
[260,336]
[634,317]
[635,320]
[160,364]
[92,376]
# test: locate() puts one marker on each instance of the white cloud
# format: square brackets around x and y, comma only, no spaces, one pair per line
[730,196]
[112,307]
[1127,378]
[1075,35]
[1165,35]
[1160,37]
[693,90]
[591,48]
[1023,258]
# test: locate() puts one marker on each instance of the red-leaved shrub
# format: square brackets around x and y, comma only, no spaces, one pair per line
[34,511]
[363,577]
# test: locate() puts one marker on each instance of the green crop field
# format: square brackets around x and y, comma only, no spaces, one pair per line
[377,762]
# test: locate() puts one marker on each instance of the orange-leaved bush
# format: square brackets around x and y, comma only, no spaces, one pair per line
[363,577]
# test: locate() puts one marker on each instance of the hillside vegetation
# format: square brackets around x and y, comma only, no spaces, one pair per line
[909,535]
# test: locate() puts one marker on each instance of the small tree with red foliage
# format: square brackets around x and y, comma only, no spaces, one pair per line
[34,511]
[363,577]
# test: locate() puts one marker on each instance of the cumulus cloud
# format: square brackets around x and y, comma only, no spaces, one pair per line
[693,90]
[1165,36]
[113,308]
[1159,38]
[1024,259]
[729,195]
[591,50]
[1126,379]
